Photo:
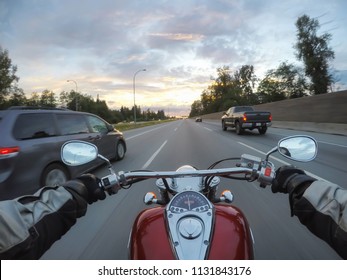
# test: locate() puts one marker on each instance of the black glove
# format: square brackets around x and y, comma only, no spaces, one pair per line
[87,186]
[288,178]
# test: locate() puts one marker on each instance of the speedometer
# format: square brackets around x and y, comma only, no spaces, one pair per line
[190,216]
[189,201]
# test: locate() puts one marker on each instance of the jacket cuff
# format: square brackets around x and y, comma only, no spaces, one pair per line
[296,188]
[79,192]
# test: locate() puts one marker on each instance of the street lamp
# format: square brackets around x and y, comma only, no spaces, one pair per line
[76,93]
[134,93]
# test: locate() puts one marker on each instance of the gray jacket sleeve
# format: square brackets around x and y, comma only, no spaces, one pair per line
[29,225]
[322,207]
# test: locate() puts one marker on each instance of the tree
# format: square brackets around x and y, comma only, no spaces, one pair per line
[17,99]
[48,99]
[220,86]
[209,102]
[71,100]
[126,113]
[313,50]
[8,78]
[227,90]
[34,100]
[196,109]
[161,115]
[245,79]
[287,81]
[270,90]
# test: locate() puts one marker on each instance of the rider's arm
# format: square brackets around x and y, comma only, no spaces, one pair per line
[322,207]
[319,205]
[29,225]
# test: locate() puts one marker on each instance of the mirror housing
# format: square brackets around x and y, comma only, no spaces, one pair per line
[301,148]
[75,153]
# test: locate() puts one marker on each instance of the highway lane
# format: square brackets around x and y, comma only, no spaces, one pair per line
[330,163]
[103,233]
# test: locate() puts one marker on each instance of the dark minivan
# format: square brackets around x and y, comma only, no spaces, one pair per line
[30,143]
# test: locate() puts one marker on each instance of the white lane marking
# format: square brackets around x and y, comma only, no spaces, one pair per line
[134,136]
[176,129]
[286,163]
[153,156]
[328,143]
[343,146]
[209,129]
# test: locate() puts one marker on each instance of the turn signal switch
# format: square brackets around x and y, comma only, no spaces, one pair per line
[267,174]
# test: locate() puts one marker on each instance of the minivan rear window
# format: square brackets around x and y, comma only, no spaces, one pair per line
[30,126]
[72,124]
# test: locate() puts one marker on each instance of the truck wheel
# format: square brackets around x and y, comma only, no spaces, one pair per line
[238,128]
[262,130]
[223,126]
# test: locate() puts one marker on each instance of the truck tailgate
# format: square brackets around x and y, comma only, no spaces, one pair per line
[258,116]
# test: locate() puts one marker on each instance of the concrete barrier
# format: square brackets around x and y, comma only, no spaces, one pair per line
[325,113]
[331,128]
[323,108]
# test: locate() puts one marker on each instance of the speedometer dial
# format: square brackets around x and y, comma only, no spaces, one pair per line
[189,201]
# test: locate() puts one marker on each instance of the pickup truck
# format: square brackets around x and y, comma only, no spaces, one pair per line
[244,117]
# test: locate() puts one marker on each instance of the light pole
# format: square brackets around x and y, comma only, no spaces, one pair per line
[134,93]
[76,93]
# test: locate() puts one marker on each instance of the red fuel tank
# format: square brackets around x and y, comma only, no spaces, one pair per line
[231,239]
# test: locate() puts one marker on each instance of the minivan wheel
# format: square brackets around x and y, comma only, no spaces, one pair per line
[120,150]
[54,175]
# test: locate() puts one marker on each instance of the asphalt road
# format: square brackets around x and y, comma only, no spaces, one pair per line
[104,232]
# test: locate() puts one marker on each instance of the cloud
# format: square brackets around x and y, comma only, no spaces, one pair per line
[101,44]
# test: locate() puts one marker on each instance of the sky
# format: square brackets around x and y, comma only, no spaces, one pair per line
[103,44]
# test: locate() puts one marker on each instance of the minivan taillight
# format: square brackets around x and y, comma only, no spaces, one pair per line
[8,151]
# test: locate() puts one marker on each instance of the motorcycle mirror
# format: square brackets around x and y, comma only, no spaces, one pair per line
[299,148]
[74,153]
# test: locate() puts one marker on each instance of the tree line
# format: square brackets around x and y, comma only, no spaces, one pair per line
[12,95]
[284,82]
[80,102]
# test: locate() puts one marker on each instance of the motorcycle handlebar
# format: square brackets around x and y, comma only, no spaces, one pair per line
[265,175]
[299,148]
[182,174]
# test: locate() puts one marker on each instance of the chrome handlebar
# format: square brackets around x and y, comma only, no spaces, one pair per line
[299,148]
[254,167]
